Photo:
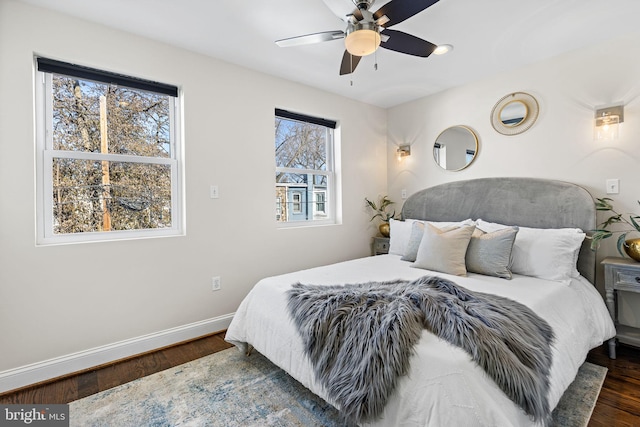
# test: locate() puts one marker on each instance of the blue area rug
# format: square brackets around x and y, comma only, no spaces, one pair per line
[229,389]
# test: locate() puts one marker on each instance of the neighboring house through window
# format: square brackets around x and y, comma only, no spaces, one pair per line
[108,155]
[320,197]
[305,175]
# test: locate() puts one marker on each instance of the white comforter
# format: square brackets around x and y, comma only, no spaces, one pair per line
[444,387]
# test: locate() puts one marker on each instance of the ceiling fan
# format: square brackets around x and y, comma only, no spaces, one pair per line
[366,31]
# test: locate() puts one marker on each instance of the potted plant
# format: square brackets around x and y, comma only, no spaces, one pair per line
[629,246]
[381,212]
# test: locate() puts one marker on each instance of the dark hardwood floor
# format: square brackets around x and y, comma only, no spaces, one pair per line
[83,384]
[619,400]
[618,403]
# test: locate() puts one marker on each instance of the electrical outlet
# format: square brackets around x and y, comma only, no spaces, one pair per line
[213,192]
[215,283]
[403,194]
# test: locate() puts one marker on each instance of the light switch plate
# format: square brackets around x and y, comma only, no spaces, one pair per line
[214,192]
[613,186]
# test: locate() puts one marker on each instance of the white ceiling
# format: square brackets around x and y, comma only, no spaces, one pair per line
[489,36]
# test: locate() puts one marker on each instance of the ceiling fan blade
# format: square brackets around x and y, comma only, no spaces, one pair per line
[349,63]
[399,10]
[311,38]
[406,43]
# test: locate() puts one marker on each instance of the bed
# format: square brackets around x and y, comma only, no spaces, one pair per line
[550,272]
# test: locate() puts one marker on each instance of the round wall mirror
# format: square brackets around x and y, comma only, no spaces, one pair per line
[455,148]
[514,113]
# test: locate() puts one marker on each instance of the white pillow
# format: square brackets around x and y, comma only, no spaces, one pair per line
[399,232]
[547,253]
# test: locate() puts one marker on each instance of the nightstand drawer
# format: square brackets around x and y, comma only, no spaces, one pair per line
[380,245]
[626,278]
[620,274]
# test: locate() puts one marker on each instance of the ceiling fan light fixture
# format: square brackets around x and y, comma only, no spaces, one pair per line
[362,40]
[442,49]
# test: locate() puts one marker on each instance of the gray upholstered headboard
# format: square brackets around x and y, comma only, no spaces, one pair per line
[527,202]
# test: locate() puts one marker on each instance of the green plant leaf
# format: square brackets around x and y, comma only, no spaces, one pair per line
[597,236]
[603,204]
[621,244]
[635,223]
[612,220]
[380,208]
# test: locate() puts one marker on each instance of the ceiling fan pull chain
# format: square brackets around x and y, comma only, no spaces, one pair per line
[375,61]
[351,66]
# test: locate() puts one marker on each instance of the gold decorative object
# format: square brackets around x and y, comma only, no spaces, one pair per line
[514,113]
[385,229]
[632,248]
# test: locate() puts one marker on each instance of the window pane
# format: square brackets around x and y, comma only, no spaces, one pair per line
[320,198]
[301,197]
[138,122]
[127,196]
[300,145]
[291,178]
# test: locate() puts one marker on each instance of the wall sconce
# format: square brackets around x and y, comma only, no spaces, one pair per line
[607,120]
[403,151]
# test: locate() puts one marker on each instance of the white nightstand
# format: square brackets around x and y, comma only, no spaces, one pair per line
[621,274]
[380,245]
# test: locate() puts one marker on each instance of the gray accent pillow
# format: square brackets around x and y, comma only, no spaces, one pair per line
[444,251]
[490,253]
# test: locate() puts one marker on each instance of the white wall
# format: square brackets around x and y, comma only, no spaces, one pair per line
[59,300]
[560,144]
[53,300]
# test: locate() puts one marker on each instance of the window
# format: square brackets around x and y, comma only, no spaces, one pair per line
[305,176]
[470,154]
[108,155]
[278,208]
[320,197]
[296,204]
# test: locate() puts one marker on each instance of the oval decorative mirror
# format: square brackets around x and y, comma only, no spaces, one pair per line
[455,148]
[514,113]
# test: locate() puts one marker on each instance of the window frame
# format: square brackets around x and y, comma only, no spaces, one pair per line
[330,173]
[45,155]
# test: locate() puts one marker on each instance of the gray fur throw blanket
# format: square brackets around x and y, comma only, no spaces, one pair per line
[359,338]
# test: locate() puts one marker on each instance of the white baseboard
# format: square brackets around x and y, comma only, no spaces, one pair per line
[56,367]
